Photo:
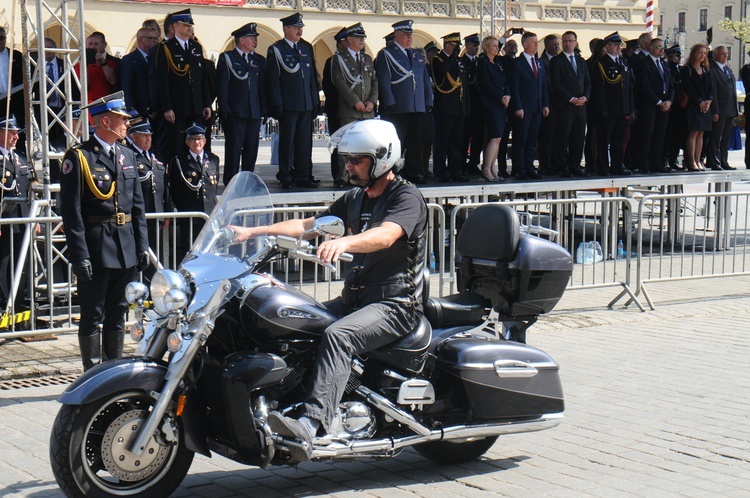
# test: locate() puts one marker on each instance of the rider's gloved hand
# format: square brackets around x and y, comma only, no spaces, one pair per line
[143,261]
[83,270]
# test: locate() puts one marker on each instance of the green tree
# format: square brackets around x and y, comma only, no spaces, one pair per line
[740,29]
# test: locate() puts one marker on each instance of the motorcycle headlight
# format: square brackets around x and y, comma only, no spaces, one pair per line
[164,282]
[136,292]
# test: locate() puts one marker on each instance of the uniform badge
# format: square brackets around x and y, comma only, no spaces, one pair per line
[122,159]
[67,166]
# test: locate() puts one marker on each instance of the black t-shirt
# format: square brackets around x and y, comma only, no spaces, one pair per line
[406,209]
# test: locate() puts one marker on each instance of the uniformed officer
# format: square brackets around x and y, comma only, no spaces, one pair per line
[452,104]
[354,77]
[16,179]
[182,83]
[152,174]
[293,99]
[612,100]
[240,86]
[474,128]
[193,185]
[405,93]
[331,107]
[101,203]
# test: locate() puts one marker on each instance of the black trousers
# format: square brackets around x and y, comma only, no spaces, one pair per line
[295,146]
[102,301]
[610,142]
[525,136]
[569,136]
[406,125]
[363,330]
[718,143]
[242,136]
[451,145]
[647,139]
[547,159]
[334,124]
[473,141]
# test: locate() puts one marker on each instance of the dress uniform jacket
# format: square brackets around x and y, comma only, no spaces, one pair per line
[94,193]
[451,88]
[16,180]
[193,186]
[292,77]
[355,83]
[152,174]
[134,82]
[403,81]
[332,94]
[240,85]
[181,79]
[612,87]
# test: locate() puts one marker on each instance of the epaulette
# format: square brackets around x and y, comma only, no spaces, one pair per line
[123,142]
[76,145]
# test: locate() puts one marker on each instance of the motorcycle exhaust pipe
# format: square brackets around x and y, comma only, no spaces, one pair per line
[387,447]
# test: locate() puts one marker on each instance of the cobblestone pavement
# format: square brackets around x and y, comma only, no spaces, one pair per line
[656,405]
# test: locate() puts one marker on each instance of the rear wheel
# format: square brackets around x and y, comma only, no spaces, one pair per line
[89,457]
[450,452]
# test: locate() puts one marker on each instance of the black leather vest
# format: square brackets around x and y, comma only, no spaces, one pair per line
[393,274]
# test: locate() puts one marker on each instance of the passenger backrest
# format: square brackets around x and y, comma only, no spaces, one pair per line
[490,232]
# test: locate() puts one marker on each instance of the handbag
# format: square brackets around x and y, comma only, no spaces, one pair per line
[682,99]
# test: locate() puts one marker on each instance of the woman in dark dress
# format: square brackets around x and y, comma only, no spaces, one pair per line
[494,95]
[696,83]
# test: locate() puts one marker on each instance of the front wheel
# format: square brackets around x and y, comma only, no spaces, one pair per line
[449,452]
[89,457]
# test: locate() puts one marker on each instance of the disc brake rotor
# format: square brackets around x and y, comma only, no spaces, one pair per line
[123,464]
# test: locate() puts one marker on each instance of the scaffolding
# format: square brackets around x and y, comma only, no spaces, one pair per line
[494,16]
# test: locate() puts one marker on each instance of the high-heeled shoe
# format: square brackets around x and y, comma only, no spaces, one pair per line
[490,179]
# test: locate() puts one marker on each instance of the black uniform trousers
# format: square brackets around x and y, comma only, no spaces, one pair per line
[242,136]
[451,145]
[610,142]
[358,332]
[407,128]
[9,251]
[102,300]
[474,142]
[547,160]
[295,146]
[647,140]
[718,144]
[747,154]
[569,136]
[334,123]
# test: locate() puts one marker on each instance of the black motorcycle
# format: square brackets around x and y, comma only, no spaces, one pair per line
[222,344]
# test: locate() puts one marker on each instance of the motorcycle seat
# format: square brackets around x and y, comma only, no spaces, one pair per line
[458,309]
[410,351]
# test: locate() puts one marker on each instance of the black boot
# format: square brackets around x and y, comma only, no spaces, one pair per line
[112,344]
[90,350]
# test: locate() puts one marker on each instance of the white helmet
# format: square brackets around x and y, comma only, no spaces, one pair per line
[372,137]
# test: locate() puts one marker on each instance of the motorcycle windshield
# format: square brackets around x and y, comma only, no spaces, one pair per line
[245,202]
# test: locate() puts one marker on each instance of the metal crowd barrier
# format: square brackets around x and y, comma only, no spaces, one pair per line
[691,236]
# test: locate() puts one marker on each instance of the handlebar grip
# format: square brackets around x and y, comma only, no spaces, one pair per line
[345,256]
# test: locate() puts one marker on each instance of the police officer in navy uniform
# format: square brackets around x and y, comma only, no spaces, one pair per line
[240,86]
[331,107]
[405,93]
[16,179]
[452,104]
[182,83]
[101,203]
[152,174]
[613,102]
[293,99]
[193,185]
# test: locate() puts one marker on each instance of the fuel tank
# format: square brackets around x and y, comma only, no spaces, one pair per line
[273,313]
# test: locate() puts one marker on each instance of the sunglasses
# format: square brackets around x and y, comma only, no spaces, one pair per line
[354,160]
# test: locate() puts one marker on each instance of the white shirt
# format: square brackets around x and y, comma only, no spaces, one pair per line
[290,42]
[355,55]
[144,54]
[182,42]
[197,158]
[105,146]
[4,70]
[531,60]
[4,152]
[406,52]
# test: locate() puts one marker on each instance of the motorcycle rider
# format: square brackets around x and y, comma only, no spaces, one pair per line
[386,231]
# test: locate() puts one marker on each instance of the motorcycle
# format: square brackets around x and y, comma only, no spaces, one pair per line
[222,344]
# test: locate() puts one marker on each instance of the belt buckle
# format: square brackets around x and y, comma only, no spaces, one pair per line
[120,219]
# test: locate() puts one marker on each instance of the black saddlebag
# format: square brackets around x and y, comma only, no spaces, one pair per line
[501,379]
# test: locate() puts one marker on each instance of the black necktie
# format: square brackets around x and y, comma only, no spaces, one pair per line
[112,154]
[295,48]
[726,71]
[573,63]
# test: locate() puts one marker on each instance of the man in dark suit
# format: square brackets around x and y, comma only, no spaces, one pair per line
[474,128]
[182,83]
[451,103]
[134,72]
[293,99]
[654,96]
[510,51]
[570,88]
[11,59]
[240,86]
[529,102]
[157,116]
[724,109]
[612,98]
[101,203]
[405,93]
[547,160]
[745,77]
[331,107]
